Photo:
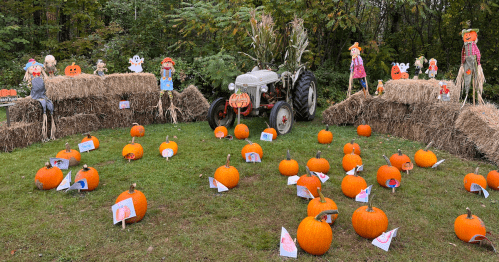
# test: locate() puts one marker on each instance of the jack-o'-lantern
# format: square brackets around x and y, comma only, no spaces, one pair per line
[396,74]
[469,36]
[72,70]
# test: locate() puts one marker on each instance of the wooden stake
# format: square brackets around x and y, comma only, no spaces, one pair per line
[238,115]
[123,224]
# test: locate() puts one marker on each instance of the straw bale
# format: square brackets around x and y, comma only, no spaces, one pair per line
[19,134]
[194,105]
[436,115]
[347,111]
[410,91]
[79,86]
[117,118]
[77,124]
[143,102]
[26,110]
[380,108]
[130,83]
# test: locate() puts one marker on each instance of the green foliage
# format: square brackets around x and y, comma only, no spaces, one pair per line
[332,84]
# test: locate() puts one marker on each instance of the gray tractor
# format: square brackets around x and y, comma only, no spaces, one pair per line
[283,97]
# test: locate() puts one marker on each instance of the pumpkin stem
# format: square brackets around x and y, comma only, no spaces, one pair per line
[469,213]
[353,151]
[318,154]
[267,124]
[355,172]
[167,141]
[249,142]
[132,188]
[68,149]
[327,127]
[400,152]
[228,160]
[135,124]
[323,199]
[387,160]
[363,122]
[48,165]
[73,64]
[288,156]
[353,141]
[370,204]
[85,167]
[309,173]
[87,134]
[321,215]
[428,146]
[218,123]
[476,170]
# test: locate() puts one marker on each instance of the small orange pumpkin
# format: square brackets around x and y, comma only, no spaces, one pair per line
[321,203]
[315,235]
[270,130]
[347,149]
[318,164]
[424,157]
[399,159]
[72,70]
[368,221]
[474,178]
[352,185]
[241,131]
[132,151]
[221,131]
[325,136]
[72,155]
[91,175]
[387,172]
[404,75]
[92,138]
[350,161]
[168,144]
[466,226]
[227,175]
[311,182]
[139,203]
[364,130]
[252,148]
[48,177]
[137,130]
[493,179]
[288,166]
[4,93]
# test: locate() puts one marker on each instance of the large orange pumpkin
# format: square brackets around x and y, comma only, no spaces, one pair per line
[350,161]
[396,73]
[91,175]
[468,225]
[251,148]
[241,131]
[139,203]
[424,157]
[311,182]
[288,166]
[72,155]
[314,235]
[132,151]
[352,185]
[399,159]
[137,130]
[474,178]
[325,136]
[321,203]
[227,174]
[347,149]
[387,172]
[318,164]
[48,177]
[368,221]
[92,138]
[493,179]
[72,70]
[168,144]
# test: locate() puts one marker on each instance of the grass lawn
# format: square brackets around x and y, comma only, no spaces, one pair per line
[188,221]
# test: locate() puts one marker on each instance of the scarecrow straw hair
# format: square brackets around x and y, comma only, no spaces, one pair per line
[417,91]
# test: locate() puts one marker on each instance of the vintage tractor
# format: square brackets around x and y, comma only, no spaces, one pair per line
[283,97]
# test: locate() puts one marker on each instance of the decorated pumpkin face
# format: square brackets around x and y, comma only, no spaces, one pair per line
[72,70]
[396,74]
[469,37]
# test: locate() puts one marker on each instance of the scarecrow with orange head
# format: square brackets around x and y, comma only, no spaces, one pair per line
[166,84]
[357,69]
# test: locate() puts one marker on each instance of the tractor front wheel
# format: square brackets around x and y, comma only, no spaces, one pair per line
[220,114]
[281,117]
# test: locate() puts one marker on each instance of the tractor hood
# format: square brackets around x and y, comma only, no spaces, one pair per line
[257,78]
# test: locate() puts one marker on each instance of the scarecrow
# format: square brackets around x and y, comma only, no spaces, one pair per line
[444,95]
[432,68]
[101,67]
[380,89]
[471,69]
[357,69]
[35,76]
[419,64]
[166,84]
[49,65]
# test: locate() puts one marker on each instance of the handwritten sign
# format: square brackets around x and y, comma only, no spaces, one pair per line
[220,134]
[303,191]
[65,183]
[239,100]
[253,157]
[292,180]
[482,239]
[81,184]
[363,196]
[287,246]
[168,152]
[124,104]
[86,146]
[385,239]
[266,136]
[392,183]
[215,184]
[359,168]
[438,163]
[123,210]
[476,187]
[322,177]
[61,163]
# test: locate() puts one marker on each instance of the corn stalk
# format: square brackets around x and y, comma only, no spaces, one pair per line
[298,42]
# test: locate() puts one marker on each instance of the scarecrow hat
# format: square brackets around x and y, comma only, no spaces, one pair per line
[422,59]
[469,30]
[355,45]
[31,63]
[442,84]
[167,59]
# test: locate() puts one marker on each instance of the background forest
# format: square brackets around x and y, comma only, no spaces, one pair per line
[205,38]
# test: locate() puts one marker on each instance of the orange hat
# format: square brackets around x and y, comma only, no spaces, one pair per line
[167,59]
[355,45]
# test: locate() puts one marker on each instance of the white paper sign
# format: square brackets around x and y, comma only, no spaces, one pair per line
[438,163]
[385,239]
[168,152]
[287,246]
[86,146]
[253,157]
[266,136]
[363,196]
[65,183]
[292,180]
[215,184]
[123,210]
[124,104]
[322,177]
[482,238]
[81,184]
[61,163]
[476,187]
[359,168]
[303,191]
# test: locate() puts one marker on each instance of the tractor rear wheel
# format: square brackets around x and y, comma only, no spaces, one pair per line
[305,96]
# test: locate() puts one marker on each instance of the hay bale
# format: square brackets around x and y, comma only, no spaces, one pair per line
[380,108]
[26,110]
[77,124]
[194,105]
[347,111]
[143,102]
[117,118]
[19,134]
[79,86]
[116,84]
[410,91]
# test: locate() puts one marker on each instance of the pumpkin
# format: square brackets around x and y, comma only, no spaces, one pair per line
[239,100]
[351,185]
[474,178]
[288,166]
[91,175]
[270,130]
[321,203]
[91,138]
[396,73]
[404,75]
[72,155]
[350,161]
[168,144]
[311,182]
[387,172]
[13,92]
[241,131]
[4,93]
[466,226]
[315,235]
[139,203]
[48,177]
[347,149]
[368,221]
[325,136]
[137,130]
[493,179]
[227,175]
[364,130]
[318,164]
[251,148]
[424,157]
[399,159]
[132,151]
[72,70]
[220,131]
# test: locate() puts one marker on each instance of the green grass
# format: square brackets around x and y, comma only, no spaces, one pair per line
[187,221]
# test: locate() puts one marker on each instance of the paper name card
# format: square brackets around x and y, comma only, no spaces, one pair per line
[253,157]
[124,104]
[476,187]
[220,134]
[81,184]
[438,163]
[363,196]
[61,163]
[322,177]
[385,239]
[359,168]
[287,246]
[65,183]
[266,136]
[303,191]
[292,180]
[482,239]
[215,184]
[123,210]
[168,152]
[86,146]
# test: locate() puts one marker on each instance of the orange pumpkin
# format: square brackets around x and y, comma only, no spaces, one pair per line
[399,159]
[139,203]
[288,166]
[239,100]
[48,177]
[352,185]
[470,36]
[137,130]
[364,130]
[404,75]
[318,164]
[4,93]
[424,157]
[368,221]
[13,92]
[396,73]
[325,136]
[474,178]
[168,144]
[321,203]
[315,235]
[91,175]
[387,172]
[132,151]
[311,182]
[241,131]
[72,70]
[270,130]
[220,131]
[91,138]
[347,149]
[227,175]
[468,225]
[72,155]
[493,179]
[350,161]
[251,148]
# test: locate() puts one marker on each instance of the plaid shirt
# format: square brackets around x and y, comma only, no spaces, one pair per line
[474,51]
